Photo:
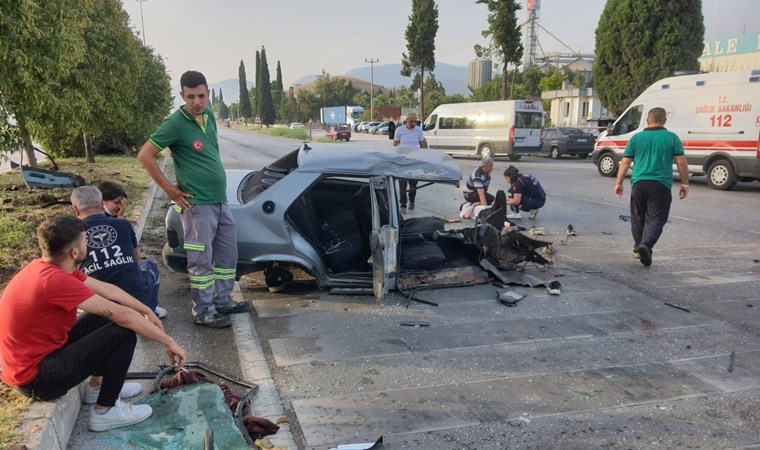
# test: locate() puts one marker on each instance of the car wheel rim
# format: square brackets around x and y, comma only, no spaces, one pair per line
[719,175]
[485,152]
[606,164]
[555,153]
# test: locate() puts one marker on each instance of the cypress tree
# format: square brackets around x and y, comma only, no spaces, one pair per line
[221,96]
[213,96]
[266,111]
[639,42]
[420,43]
[245,102]
[279,77]
[257,88]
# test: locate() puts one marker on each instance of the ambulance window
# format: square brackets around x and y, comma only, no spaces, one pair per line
[629,122]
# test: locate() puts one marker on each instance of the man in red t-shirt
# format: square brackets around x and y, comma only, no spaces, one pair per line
[45,350]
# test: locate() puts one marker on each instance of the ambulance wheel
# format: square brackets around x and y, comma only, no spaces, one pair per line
[607,165]
[721,175]
[485,151]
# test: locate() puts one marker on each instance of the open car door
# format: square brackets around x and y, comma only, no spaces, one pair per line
[384,236]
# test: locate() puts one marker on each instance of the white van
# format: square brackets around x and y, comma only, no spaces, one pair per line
[716,115]
[512,128]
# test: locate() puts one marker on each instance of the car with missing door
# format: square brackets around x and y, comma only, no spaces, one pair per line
[334,214]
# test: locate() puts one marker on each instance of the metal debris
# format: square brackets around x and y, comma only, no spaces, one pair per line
[415,323]
[682,308]
[731,362]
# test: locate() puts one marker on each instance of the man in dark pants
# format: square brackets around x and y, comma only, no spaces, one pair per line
[654,150]
[391,129]
[45,350]
[409,136]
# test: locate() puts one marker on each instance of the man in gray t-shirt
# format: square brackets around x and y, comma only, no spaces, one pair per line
[409,136]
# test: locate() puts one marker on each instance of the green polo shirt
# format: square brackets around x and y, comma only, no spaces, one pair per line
[652,151]
[195,149]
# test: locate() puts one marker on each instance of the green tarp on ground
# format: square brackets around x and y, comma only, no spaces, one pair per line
[179,421]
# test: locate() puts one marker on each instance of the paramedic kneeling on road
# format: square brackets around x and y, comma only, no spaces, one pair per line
[526,193]
[45,350]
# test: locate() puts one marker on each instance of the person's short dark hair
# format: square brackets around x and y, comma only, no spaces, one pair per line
[657,116]
[110,190]
[512,173]
[56,235]
[191,79]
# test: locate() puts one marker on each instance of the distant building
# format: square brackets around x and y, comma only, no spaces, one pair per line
[573,107]
[735,53]
[479,73]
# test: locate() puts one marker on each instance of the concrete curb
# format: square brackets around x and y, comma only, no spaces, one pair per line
[266,403]
[48,425]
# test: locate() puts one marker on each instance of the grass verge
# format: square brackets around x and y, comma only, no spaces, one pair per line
[21,211]
[287,133]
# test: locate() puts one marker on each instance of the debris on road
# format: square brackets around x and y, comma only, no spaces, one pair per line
[571,230]
[412,323]
[510,298]
[624,218]
[731,362]
[682,308]
[554,287]
[365,446]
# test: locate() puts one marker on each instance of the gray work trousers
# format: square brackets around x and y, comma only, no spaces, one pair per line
[211,246]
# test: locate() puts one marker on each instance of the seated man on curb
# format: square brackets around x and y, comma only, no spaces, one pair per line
[113,255]
[45,350]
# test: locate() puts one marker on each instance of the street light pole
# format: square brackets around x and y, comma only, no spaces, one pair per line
[372,89]
[142,20]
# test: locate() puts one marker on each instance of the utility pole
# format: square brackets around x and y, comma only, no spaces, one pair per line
[142,20]
[372,89]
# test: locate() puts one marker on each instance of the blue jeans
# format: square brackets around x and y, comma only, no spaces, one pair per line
[151,283]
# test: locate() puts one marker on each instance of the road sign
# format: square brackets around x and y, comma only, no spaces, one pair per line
[311,122]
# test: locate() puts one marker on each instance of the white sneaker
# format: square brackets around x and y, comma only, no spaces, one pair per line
[514,215]
[533,213]
[130,389]
[120,415]
[160,312]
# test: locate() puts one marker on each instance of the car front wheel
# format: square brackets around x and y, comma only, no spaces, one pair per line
[607,165]
[555,154]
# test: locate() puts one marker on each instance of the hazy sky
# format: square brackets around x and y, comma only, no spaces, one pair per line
[337,35]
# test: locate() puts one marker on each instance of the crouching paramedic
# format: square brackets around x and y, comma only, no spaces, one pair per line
[45,350]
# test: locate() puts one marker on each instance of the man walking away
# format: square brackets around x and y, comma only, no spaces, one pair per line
[409,136]
[391,129]
[478,183]
[653,150]
[210,238]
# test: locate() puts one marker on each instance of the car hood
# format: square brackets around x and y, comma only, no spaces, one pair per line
[419,164]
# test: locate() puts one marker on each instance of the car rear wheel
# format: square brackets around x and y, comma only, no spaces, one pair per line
[555,154]
[721,175]
[485,151]
[607,165]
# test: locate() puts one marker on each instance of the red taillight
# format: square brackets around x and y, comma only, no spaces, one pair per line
[569,140]
[512,133]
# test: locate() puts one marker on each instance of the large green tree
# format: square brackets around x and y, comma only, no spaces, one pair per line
[245,101]
[256,91]
[641,41]
[420,43]
[505,36]
[267,112]
[40,44]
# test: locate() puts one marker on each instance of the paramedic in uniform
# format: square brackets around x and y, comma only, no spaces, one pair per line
[409,136]
[210,239]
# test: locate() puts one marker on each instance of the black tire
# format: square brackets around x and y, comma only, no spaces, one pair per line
[514,157]
[583,156]
[554,153]
[485,151]
[721,175]
[607,165]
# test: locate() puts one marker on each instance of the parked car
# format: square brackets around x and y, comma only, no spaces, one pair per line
[568,141]
[360,126]
[339,133]
[382,129]
[330,212]
[296,125]
[370,125]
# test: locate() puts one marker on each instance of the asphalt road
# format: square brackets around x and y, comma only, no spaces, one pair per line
[605,364]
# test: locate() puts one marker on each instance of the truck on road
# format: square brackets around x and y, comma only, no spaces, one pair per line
[337,115]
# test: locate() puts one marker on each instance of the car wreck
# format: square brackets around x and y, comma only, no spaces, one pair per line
[334,214]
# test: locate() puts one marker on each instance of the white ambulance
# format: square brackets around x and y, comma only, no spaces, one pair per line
[510,127]
[716,115]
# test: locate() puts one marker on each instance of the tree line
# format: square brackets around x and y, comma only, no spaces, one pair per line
[77,79]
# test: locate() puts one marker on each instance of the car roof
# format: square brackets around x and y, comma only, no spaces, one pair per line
[347,159]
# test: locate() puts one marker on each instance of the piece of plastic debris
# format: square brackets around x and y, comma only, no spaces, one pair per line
[365,446]
[571,230]
[554,287]
[625,218]
[413,323]
[731,362]
[682,308]
[510,298]
[282,420]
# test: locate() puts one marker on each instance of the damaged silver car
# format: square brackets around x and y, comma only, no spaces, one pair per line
[334,213]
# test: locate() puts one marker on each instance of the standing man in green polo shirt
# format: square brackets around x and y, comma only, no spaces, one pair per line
[201,196]
[654,150]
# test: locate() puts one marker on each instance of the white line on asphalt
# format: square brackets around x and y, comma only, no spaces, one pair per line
[683,218]
[266,403]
